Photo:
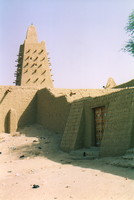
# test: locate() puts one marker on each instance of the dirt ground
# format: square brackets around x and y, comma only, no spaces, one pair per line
[32,167]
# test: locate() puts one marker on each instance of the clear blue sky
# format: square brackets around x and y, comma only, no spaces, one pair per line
[84,38]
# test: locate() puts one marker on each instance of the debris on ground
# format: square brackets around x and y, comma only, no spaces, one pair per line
[35,186]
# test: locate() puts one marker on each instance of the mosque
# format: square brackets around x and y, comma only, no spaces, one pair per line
[85,118]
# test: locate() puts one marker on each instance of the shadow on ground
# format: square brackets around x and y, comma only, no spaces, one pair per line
[43,143]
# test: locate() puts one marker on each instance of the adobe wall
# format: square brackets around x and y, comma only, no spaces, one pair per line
[52,110]
[119,125]
[54,105]
[79,129]
[19,103]
[118,134]
[126,85]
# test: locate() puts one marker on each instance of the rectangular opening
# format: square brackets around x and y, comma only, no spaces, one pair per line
[99,120]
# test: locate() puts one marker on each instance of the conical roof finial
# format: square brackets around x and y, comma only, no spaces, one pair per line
[31,35]
[110,83]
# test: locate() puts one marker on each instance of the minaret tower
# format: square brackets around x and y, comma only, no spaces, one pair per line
[33,68]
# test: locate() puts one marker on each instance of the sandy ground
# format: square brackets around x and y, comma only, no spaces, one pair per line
[34,157]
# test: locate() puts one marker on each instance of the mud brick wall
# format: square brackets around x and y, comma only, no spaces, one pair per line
[52,112]
[118,133]
[119,124]
[20,99]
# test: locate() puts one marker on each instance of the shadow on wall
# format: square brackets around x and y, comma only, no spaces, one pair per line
[117,129]
[5,94]
[6,124]
[52,111]
[29,115]
[132,137]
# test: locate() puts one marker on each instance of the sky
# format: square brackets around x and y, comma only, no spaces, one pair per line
[84,39]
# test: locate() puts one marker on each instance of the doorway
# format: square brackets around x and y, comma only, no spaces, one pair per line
[99,115]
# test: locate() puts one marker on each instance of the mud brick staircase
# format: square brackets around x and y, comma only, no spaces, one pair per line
[72,127]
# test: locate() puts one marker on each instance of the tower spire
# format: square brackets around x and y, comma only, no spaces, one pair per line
[33,68]
[31,35]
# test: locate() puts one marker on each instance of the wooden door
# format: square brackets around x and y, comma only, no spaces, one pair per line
[100,114]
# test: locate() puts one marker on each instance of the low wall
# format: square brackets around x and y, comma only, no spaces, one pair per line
[52,111]
[22,100]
